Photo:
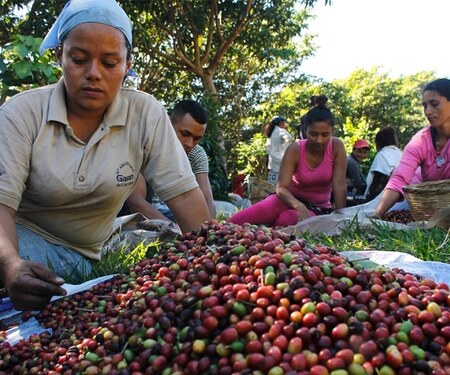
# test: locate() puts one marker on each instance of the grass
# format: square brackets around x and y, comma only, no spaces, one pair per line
[116,261]
[426,244]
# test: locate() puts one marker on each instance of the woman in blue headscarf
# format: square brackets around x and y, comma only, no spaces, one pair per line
[72,154]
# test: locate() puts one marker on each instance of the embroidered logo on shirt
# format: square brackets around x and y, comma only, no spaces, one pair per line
[125,174]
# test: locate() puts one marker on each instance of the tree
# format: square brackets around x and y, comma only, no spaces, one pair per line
[370,100]
[21,66]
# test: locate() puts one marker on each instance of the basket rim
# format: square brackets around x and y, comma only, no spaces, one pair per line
[428,186]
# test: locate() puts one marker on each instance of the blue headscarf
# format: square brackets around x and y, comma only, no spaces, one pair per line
[75,12]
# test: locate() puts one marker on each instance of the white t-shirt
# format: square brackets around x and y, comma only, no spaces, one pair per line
[384,162]
[276,145]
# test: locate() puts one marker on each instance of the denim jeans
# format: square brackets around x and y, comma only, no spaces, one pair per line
[67,263]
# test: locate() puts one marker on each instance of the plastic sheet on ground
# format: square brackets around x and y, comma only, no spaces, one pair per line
[134,229]
[225,208]
[438,271]
[332,224]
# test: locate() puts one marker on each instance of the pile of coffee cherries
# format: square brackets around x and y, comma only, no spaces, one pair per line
[399,216]
[231,299]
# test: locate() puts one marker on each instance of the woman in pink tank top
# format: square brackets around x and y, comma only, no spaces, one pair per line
[311,170]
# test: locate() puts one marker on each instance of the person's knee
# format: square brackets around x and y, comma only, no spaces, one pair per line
[286,218]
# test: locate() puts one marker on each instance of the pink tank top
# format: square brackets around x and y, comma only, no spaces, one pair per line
[313,185]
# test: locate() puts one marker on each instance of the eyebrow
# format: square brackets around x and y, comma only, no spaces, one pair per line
[78,49]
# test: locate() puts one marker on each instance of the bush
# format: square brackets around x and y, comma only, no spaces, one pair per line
[252,157]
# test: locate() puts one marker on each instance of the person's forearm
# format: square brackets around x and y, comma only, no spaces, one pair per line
[190,210]
[146,209]
[340,196]
[205,187]
[209,201]
[8,240]
[30,285]
[388,199]
[212,209]
[289,200]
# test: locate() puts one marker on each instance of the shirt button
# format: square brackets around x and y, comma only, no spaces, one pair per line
[81,178]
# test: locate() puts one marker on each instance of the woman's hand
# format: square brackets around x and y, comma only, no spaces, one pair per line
[31,285]
[303,212]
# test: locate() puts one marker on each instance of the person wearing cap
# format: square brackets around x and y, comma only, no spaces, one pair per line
[73,154]
[356,182]
[278,140]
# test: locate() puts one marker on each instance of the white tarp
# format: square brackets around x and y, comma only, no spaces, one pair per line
[438,271]
[332,224]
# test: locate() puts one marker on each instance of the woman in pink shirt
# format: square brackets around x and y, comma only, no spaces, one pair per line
[428,150]
[310,170]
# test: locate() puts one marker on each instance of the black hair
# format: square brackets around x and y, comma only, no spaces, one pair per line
[386,137]
[275,121]
[441,86]
[315,100]
[194,108]
[319,113]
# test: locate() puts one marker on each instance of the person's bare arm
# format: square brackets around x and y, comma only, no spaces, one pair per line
[190,209]
[29,285]
[388,199]
[288,166]
[339,172]
[205,187]
[137,202]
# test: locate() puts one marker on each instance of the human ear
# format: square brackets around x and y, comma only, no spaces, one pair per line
[127,69]
[59,53]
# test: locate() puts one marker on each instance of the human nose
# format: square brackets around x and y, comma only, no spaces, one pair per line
[321,139]
[188,143]
[93,70]
[428,110]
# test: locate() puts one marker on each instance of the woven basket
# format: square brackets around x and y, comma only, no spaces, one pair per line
[426,198]
[259,189]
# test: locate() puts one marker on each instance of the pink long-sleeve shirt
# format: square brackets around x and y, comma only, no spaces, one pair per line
[420,153]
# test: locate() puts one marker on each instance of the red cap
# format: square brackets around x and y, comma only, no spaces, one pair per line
[361,143]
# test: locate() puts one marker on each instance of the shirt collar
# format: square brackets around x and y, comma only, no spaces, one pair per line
[115,115]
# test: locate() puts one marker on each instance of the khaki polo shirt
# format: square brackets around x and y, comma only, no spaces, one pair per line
[70,192]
